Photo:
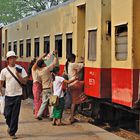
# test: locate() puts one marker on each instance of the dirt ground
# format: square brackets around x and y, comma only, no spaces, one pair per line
[32,129]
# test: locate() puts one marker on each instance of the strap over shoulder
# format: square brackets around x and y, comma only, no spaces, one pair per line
[14,76]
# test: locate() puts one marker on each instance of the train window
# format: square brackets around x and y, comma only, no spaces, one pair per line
[92,39]
[3,45]
[21,48]
[58,44]
[28,47]
[46,44]
[36,49]
[15,47]
[121,42]
[9,46]
[108,28]
[68,45]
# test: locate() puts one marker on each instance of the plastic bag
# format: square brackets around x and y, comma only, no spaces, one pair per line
[2,104]
[49,59]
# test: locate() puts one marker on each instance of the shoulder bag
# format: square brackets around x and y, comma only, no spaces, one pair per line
[24,87]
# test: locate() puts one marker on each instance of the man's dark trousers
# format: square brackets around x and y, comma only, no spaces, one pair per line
[11,113]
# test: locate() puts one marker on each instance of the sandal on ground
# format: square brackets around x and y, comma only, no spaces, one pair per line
[61,124]
[54,124]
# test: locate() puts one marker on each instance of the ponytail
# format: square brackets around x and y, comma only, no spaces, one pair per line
[53,77]
[66,65]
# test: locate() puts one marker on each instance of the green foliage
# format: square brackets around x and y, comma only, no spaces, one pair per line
[12,10]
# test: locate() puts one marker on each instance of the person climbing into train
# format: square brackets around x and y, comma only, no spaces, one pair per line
[13,91]
[77,87]
[44,73]
[57,87]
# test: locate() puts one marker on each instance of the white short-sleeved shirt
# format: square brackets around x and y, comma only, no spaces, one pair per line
[57,86]
[12,86]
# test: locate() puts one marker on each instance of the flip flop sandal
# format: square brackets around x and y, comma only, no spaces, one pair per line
[61,124]
[54,124]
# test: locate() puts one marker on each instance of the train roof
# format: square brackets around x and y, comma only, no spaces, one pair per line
[41,12]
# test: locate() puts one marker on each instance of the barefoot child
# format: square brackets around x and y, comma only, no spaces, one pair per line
[57,90]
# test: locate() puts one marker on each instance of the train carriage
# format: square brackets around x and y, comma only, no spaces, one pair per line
[98,49]
[125,51]
[105,33]
[56,28]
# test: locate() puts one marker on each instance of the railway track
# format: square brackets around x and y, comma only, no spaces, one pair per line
[127,134]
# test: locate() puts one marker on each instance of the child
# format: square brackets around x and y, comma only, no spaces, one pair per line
[57,90]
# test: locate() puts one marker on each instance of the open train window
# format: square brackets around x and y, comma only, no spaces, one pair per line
[69,44]
[3,45]
[46,44]
[9,46]
[28,47]
[36,49]
[121,42]
[21,48]
[58,44]
[15,47]
[92,39]
[108,28]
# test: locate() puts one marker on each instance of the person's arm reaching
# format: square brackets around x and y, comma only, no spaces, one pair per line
[35,65]
[70,81]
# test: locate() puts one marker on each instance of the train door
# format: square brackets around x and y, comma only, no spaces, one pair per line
[98,49]
[0,46]
[81,32]
[122,63]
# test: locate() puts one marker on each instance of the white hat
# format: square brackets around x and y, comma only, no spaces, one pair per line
[10,53]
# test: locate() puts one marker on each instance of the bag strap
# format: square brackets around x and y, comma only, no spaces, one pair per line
[14,76]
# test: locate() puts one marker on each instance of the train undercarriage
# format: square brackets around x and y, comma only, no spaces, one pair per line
[104,111]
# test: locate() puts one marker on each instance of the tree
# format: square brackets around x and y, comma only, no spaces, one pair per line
[12,10]
[9,11]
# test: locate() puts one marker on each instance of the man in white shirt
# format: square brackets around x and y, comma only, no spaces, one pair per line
[13,92]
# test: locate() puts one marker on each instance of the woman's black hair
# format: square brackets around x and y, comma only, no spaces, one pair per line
[40,63]
[30,67]
[54,72]
[71,58]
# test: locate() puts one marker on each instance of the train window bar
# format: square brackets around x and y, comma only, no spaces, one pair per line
[36,49]
[58,44]
[28,47]
[9,46]
[21,48]
[69,42]
[121,42]
[15,47]
[92,45]
[47,44]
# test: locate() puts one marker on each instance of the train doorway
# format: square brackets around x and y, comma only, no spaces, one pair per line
[81,13]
